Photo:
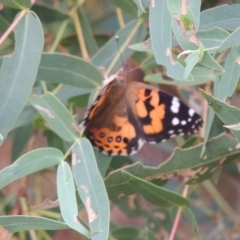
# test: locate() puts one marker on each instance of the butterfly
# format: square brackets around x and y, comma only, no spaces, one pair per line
[126,114]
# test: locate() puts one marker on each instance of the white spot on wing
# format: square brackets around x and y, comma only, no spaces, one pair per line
[175,105]
[183,122]
[174,109]
[191,112]
[140,143]
[175,121]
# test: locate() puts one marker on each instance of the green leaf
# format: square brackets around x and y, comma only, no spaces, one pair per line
[213,17]
[184,18]
[209,62]
[212,37]
[194,8]
[233,40]
[54,141]
[145,46]
[229,79]
[71,70]
[87,32]
[150,234]
[79,101]
[124,233]
[67,92]
[192,220]
[29,163]
[186,163]
[56,115]
[20,139]
[4,24]
[27,116]
[180,35]
[210,118]
[160,23]
[17,223]
[103,162]
[48,14]
[201,75]
[15,84]
[126,5]
[141,6]
[67,199]
[154,194]
[19,4]
[91,189]
[191,60]
[229,115]
[134,31]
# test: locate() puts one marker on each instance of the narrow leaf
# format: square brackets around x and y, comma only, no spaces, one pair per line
[229,115]
[191,219]
[186,163]
[213,37]
[56,115]
[19,4]
[71,70]
[87,32]
[201,75]
[20,139]
[17,223]
[233,40]
[191,61]
[18,72]
[67,199]
[91,189]
[213,17]
[48,14]
[155,194]
[135,31]
[209,62]
[160,26]
[230,78]
[29,163]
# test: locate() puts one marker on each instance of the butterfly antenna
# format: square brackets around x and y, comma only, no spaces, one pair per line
[119,50]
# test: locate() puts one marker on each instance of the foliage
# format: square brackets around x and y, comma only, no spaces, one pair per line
[44,84]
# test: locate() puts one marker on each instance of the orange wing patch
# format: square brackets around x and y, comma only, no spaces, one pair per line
[115,140]
[149,108]
[99,101]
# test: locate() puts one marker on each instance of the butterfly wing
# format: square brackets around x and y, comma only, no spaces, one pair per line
[127,114]
[110,124]
[163,116]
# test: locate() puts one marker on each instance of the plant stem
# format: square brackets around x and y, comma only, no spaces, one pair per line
[123,47]
[80,37]
[178,215]
[13,25]
[120,17]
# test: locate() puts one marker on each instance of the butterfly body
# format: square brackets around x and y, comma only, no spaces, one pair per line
[126,114]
